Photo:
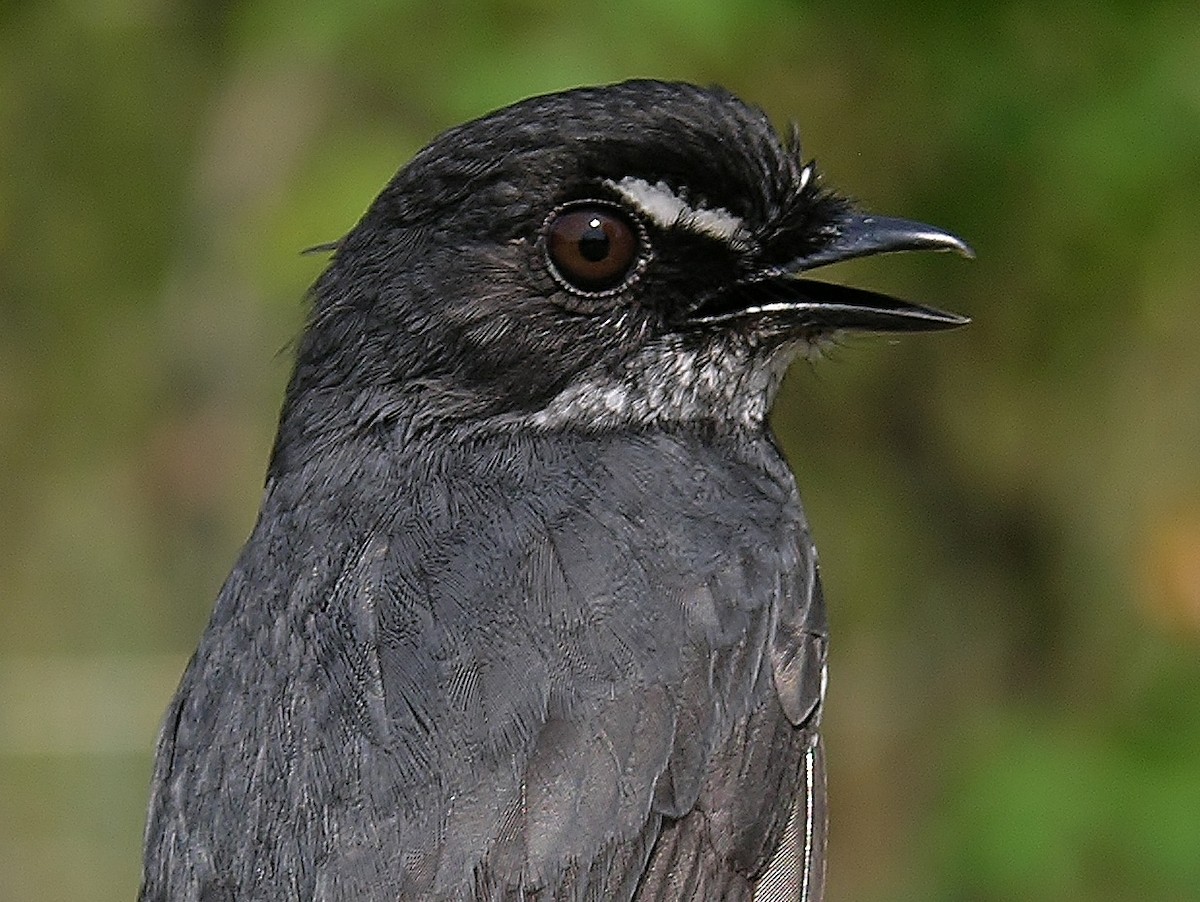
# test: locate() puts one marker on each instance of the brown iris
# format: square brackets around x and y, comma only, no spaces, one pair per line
[592,248]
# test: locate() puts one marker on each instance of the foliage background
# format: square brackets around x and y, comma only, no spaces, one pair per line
[1009,515]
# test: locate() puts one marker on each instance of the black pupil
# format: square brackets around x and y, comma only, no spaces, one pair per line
[594,243]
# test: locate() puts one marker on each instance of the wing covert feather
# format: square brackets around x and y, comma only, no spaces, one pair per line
[490,691]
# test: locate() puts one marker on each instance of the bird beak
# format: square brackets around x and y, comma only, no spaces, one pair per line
[783,294]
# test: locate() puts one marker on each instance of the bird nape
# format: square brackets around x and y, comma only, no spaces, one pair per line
[531,609]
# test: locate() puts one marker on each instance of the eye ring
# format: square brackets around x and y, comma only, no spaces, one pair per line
[594,248]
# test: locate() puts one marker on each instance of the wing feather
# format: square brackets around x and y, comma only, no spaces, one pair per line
[476,688]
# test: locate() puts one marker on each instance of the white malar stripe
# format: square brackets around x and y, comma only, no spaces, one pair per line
[669,210]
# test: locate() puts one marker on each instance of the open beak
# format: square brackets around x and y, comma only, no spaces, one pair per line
[783,293]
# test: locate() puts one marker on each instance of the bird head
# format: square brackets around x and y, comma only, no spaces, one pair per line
[604,257]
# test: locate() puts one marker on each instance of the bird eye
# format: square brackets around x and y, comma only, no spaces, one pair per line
[593,248]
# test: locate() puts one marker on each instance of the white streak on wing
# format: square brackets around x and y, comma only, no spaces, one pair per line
[810,786]
[668,210]
[794,870]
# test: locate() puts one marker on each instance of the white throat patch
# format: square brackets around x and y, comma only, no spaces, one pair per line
[670,211]
[669,382]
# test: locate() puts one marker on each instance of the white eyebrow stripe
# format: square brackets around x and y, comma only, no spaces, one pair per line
[806,175]
[668,210]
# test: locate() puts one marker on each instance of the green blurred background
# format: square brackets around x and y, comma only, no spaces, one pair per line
[1009,515]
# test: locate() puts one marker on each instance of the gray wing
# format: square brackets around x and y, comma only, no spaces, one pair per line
[797,869]
[757,831]
[488,690]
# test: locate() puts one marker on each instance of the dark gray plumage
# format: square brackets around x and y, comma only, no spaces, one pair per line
[531,610]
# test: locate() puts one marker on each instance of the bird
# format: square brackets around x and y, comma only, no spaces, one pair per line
[531,609]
